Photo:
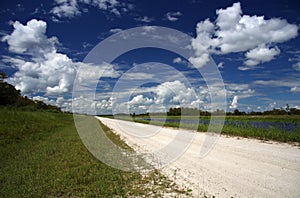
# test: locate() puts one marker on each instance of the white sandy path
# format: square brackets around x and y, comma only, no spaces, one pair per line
[235,167]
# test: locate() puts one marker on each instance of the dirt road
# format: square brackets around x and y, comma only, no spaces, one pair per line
[234,167]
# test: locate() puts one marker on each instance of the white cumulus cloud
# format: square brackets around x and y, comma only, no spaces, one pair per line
[235,32]
[179,60]
[174,92]
[261,54]
[199,61]
[140,100]
[30,38]
[45,71]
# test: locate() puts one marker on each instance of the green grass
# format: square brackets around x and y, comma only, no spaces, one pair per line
[267,118]
[259,118]
[262,134]
[42,156]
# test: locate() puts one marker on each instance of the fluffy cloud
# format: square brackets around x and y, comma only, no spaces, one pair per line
[140,100]
[165,95]
[174,92]
[200,60]
[30,38]
[295,89]
[53,74]
[66,8]
[159,98]
[72,8]
[261,54]
[45,71]
[234,32]
[104,106]
[234,103]
[179,60]
[173,16]
[243,32]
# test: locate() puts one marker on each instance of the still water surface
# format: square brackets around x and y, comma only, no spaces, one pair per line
[284,126]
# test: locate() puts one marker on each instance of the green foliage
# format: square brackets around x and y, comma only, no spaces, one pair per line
[237,112]
[42,156]
[2,76]
[174,112]
[184,111]
[9,96]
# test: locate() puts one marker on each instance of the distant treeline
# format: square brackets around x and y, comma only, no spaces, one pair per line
[196,112]
[193,111]
[11,97]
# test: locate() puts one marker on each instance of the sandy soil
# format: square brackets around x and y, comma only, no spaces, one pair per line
[235,167]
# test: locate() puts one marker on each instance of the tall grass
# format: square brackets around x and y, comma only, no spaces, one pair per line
[263,134]
[42,156]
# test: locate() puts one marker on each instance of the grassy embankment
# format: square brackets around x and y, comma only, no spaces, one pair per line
[42,156]
[240,130]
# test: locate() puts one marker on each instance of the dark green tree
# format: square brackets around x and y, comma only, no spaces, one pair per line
[2,76]
[8,94]
[236,112]
[287,108]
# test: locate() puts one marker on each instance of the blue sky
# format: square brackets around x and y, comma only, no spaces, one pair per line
[255,47]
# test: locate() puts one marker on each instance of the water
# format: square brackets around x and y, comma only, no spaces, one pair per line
[284,126]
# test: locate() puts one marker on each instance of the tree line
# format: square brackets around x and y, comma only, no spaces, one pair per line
[193,111]
[11,97]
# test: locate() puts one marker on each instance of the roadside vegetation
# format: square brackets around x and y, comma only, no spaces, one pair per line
[11,98]
[43,156]
[282,125]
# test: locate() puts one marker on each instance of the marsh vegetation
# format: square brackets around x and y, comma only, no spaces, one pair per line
[277,125]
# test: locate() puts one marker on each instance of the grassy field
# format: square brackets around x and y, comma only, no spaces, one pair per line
[245,130]
[259,118]
[42,156]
